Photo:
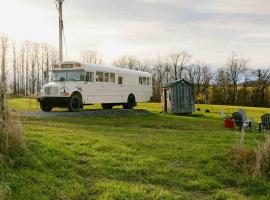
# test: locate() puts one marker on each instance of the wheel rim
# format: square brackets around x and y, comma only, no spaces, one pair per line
[131,101]
[75,103]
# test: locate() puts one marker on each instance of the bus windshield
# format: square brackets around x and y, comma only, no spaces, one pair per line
[68,75]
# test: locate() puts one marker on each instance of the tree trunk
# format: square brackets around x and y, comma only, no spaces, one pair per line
[3,87]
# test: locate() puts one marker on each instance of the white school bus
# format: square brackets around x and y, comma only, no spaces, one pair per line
[74,84]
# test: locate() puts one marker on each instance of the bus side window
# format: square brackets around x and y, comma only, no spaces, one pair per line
[107,77]
[140,80]
[89,77]
[112,78]
[120,80]
[147,79]
[92,77]
[144,80]
[99,77]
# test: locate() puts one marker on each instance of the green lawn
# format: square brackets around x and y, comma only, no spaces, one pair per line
[158,156]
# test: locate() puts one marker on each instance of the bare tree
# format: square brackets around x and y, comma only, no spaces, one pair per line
[22,70]
[177,64]
[14,48]
[261,88]
[158,73]
[246,77]
[91,56]
[221,89]
[198,74]
[234,71]
[206,79]
[34,59]
[128,62]
[27,67]
[145,65]
[191,70]
[158,78]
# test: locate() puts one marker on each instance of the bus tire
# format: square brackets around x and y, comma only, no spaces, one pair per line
[75,103]
[107,106]
[131,102]
[45,107]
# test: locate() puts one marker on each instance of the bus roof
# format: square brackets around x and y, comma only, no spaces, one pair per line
[110,69]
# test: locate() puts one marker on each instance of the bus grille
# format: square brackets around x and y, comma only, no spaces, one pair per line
[51,91]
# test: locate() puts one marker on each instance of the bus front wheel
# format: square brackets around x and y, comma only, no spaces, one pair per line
[74,103]
[131,102]
[46,107]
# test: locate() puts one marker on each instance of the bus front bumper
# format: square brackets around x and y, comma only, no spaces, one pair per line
[54,101]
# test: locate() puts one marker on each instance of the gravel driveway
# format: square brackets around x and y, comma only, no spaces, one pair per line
[113,112]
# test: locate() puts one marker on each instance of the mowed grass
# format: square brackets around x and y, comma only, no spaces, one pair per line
[158,156]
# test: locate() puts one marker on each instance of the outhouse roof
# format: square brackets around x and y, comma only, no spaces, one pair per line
[176,82]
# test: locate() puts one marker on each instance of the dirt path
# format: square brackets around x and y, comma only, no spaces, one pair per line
[113,112]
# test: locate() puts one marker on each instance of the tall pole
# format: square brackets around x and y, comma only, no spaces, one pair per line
[60,31]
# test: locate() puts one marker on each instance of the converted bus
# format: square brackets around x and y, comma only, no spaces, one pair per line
[75,84]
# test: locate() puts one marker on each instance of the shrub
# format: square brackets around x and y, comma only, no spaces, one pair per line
[12,140]
[254,162]
[262,165]
[243,159]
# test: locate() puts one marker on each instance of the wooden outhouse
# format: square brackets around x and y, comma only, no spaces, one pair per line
[178,97]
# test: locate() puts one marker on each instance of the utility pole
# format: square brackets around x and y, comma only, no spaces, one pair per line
[60,30]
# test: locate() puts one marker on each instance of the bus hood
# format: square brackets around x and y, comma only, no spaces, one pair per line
[59,88]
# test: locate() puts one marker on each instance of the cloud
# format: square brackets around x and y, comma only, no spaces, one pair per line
[211,29]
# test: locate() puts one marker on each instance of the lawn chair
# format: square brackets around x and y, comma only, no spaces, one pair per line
[240,121]
[246,120]
[265,123]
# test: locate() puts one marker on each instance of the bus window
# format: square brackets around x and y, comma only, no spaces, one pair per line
[140,80]
[107,77]
[99,76]
[92,77]
[112,78]
[148,81]
[76,75]
[120,80]
[144,80]
[89,77]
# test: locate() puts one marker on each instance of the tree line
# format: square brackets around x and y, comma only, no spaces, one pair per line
[12,140]
[234,84]
[28,66]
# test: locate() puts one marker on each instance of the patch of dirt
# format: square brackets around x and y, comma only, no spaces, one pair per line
[112,112]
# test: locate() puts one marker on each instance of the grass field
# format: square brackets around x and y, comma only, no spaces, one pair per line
[157,156]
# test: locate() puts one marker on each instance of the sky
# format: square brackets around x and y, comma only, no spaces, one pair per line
[210,30]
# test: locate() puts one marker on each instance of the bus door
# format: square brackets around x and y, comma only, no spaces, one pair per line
[88,86]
